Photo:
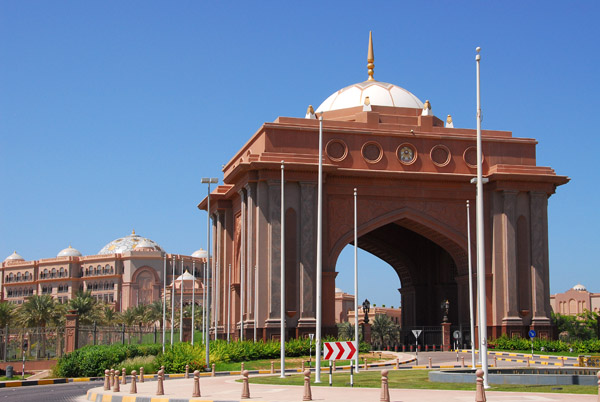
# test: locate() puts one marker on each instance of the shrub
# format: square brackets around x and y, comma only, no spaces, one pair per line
[147,362]
[92,360]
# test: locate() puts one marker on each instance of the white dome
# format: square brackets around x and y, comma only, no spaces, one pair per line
[579,287]
[14,257]
[186,276]
[129,243]
[200,254]
[69,252]
[338,290]
[379,93]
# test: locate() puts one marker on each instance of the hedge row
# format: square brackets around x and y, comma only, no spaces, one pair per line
[91,361]
[506,343]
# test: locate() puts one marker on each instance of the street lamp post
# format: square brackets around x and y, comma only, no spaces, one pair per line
[207,180]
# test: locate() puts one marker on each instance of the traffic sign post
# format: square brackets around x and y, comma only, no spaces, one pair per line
[416,333]
[532,334]
[311,337]
[339,350]
[456,335]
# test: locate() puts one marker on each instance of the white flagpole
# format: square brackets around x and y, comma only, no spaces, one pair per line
[472,316]
[181,305]
[480,241]
[282,285]
[193,301]
[228,303]
[319,255]
[164,321]
[173,302]
[356,343]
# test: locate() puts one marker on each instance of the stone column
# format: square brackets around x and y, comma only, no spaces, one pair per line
[187,329]
[539,258]
[446,340]
[71,331]
[250,251]
[307,257]
[261,242]
[275,255]
[509,235]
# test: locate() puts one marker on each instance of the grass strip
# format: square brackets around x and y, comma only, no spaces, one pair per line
[416,379]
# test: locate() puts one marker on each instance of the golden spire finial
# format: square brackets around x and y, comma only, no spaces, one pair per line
[370,58]
[133,232]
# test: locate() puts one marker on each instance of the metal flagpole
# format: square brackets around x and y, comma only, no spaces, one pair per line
[472,316]
[282,278]
[356,344]
[229,303]
[173,301]
[480,241]
[181,305]
[206,307]
[164,321]
[242,268]
[319,255]
[255,302]
[193,301]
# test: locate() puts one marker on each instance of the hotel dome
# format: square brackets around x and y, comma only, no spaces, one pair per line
[129,243]
[69,252]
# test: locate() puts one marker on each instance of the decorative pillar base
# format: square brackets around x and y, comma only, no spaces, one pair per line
[446,342]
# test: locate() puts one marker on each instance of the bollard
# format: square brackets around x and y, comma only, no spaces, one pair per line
[133,389]
[187,371]
[196,391]
[397,364]
[212,373]
[242,367]
[495,361]
[303,365]
[334,365]
[366,365]
[162,368]
[245,386]
[307,392]
[430,363]
[562,361]
[462,361]
[528,361]
[479,391]
[404,348]
[116,386]
[426,348]
[273,367]
[385,391]
[160,387]
[111,378]
[106,380]
[124,379]
[434,347]
[141,374]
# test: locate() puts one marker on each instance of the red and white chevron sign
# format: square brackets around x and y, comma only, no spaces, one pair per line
[339,350]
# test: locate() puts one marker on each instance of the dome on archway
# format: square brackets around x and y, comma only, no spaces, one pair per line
[370,92]
[129,243]
[579,287]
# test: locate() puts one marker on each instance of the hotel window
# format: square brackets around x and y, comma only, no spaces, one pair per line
[18,277]
[62,272]
[53,274]
[10,277]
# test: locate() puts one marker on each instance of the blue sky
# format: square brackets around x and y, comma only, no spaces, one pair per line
[111,112]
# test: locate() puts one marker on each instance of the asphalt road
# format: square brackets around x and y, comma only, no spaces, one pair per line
[47,393]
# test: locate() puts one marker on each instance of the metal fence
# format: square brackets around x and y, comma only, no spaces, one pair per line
[126,335]
[31,343]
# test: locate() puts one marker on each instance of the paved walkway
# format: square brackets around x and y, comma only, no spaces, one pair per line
[227,389]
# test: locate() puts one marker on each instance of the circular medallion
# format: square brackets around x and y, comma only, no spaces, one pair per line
[406,153]
[440,155]
[470,157]
[372,152]
[336,150]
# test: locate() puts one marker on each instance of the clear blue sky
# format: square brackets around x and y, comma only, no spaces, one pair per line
[110,112]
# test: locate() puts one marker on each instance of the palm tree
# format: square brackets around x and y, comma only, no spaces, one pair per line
[85,304]
[7,311]
[37,311]
[346,331]
[382,329]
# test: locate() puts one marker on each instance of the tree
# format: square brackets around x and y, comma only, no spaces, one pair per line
[85,305]
[7,311]
[37,311]
[382,330]
[345,331]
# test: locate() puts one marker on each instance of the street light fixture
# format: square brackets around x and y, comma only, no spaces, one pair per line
[366,308]
[209,181]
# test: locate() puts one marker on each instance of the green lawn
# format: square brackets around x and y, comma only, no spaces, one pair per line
[416,379]
[296,362]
